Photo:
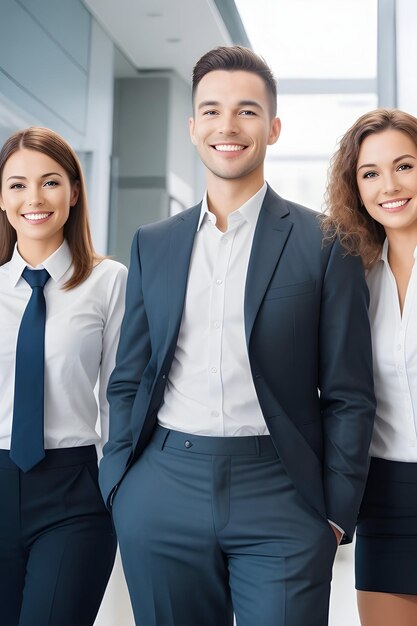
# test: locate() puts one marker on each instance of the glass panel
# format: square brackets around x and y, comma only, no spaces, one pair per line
[296,166]
[320,39]
[301,181]
[311,125]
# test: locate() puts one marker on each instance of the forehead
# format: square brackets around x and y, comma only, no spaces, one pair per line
[386,144]
[227,87]
[30,160]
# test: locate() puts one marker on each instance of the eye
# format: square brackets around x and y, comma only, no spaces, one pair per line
[370,175]
[404,166]
[210,112]
[51,183]
[247,113]
[17,186]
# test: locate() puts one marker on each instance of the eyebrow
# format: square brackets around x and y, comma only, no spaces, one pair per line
[43,176]
[245,103]
[400,158]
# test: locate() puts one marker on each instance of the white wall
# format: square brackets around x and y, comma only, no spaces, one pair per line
[58,72]
[406,23]
[97,140]
[42,71]
[182,156]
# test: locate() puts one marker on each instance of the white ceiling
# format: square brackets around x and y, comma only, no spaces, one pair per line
[155,34]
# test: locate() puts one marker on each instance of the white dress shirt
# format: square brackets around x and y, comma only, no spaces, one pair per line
[210,390]
[81,335]
[394,343]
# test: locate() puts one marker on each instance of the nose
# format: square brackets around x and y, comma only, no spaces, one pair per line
[229,125]
[391,184]
[35,198]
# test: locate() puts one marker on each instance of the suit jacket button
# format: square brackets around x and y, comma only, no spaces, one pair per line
[188,444]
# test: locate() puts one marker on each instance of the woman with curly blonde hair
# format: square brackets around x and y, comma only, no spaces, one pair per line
[372,207]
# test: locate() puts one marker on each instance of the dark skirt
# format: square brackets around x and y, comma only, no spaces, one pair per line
[386,538]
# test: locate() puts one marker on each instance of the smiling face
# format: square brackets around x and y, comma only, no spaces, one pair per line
[36,194]
[232,126]
[387,180]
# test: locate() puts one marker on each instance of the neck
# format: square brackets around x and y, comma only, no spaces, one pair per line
[35,252]
[226,196]
[401,246]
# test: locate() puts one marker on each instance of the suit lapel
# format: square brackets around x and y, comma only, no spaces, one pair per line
[181,243]
[268,243]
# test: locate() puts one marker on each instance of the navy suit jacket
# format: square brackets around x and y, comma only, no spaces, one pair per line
[308,340]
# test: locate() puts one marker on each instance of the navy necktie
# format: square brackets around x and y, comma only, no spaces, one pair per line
[26,448]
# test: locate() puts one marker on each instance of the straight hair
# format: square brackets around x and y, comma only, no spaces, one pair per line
[76,229]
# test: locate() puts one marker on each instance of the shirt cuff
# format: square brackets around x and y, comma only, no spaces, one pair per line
[337,527]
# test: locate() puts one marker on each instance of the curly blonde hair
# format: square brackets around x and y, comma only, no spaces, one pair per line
[346,217]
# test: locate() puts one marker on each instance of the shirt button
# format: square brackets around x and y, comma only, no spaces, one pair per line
[215,414]
[213,370]
[399,346]
[216,324]
[219,281]
[225,240]
[187,444]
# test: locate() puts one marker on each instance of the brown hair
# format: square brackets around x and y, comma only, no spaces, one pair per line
[346,217]
[234,58]
[76,229]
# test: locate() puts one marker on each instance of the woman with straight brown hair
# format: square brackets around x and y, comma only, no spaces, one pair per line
[372,207]
[61,306]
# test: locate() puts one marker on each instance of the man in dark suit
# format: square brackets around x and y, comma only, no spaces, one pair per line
[242,399]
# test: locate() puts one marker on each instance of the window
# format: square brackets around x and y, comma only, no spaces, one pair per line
[324,55]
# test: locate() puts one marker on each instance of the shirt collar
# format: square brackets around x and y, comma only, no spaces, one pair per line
[57,264]
[249,210]
[384,251]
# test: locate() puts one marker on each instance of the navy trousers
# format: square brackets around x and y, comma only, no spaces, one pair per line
[57,543]
[211,526]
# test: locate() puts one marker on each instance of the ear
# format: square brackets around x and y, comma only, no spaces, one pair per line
[191,127]
[75,192]
[274,131]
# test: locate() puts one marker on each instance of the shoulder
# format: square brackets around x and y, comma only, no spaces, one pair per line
[109,274]
[4,269]
[111,267]
[156,229]
[308,236]
[298,214]
[304,216]
[5,282]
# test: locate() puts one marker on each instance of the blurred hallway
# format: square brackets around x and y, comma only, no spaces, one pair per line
[343,611]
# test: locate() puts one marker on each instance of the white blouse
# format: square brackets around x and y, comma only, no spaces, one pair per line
[81,336]
[394,343]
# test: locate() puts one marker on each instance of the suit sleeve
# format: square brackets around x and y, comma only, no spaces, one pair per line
[346,387]
[132,356]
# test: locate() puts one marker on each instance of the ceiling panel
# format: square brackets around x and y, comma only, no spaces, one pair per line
[157,34]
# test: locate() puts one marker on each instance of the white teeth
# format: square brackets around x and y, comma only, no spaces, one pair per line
[33,217]
[393,205]
[227,147]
